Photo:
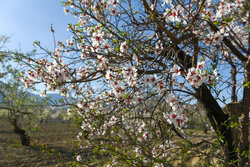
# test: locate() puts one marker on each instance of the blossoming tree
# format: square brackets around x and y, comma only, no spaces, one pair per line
[131,66]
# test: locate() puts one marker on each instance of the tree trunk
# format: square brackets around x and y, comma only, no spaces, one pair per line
[218,119]
[233,77]
[216,116]
[21,133]
[220,123]
[244,144]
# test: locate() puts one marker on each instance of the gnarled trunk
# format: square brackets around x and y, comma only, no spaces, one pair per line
[25,139]
[244,144]
[219,121]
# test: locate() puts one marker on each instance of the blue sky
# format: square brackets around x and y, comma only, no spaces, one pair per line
[28,20]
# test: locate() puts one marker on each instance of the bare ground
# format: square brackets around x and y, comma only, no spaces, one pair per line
[57,138]
[54,145]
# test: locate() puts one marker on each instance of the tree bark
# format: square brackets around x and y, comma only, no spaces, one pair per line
[244,144]
[219,122]
[25,139]
[233,77]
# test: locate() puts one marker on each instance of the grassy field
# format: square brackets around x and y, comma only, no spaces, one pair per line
[58,136]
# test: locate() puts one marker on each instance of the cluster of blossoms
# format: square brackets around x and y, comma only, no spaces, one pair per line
[225,13]
[102,62]
[121,78]
[51,73]
[123,47]
[195,76]
[175,14]
[213,38]
[70,42]
[177,116]
[97,37]
[111,122]
[227,8]
[158,49]
[153,80]
[130,75]
[176,71]
[118,89]
[146,135]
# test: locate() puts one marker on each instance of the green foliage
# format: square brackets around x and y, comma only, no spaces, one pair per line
[229,19]
[247,84]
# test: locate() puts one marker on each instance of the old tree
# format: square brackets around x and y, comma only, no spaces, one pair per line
[131,68]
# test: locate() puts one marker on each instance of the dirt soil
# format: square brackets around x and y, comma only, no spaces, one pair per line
[59,138]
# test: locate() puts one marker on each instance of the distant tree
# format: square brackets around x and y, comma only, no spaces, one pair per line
[23,111]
